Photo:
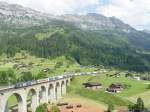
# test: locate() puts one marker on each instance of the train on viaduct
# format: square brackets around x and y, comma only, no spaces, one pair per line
[42,91]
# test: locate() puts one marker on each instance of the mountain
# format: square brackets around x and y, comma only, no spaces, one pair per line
[16,15]
[91,39]
[95,21]
[146,31]
[13,14]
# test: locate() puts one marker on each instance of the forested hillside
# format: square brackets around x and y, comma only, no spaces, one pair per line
[90,39]
[103,47]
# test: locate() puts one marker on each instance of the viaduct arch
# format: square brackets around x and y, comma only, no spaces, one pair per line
[33,94]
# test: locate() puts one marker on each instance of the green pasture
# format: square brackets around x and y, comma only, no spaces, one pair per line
[98,95]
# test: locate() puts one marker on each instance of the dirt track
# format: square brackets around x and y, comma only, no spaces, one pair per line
[87,105]
[84,108]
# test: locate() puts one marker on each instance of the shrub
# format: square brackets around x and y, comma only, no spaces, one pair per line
[41,108]
[40,75]
[7,77]
[26,76]
[138,107]
[55,108]
[110,108]
[77,70]
[148,87]
[58,65]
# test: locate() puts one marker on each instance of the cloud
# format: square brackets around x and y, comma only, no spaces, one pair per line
[57,6]
[134,12]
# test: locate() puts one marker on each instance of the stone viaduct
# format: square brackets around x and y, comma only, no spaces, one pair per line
[40,93]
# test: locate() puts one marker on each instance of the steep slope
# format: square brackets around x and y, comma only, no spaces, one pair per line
[87,48]
[18,16]
[91,39]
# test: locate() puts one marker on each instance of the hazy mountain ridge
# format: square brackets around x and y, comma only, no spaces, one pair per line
[18,15]
[93,21]
[146,31]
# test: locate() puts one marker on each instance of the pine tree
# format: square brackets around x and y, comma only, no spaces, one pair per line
[140,105]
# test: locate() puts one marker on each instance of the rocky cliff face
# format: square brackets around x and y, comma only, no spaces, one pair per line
[94,21]
[12,14]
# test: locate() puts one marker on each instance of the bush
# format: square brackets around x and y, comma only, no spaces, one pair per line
[55,108]
[26,76]
[41,75]
[58,65]
[110,108]
[7,77]
[77,70]
[138,107]
[140,104]
[148,87]
[41,108]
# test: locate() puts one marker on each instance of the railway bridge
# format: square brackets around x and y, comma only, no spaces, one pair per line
[45,92]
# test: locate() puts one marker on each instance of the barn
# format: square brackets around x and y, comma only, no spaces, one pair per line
[92,85]
[116,88]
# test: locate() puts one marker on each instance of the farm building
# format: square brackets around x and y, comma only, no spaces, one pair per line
[137,78]
[47,70]
[145,78]
[116,88]
[92,85]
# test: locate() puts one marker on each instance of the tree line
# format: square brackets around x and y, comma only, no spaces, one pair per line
[87,48]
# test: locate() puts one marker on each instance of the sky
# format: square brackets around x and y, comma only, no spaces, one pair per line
[133,12]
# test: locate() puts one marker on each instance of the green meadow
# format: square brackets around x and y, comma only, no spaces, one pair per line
[56,66]
[124,98]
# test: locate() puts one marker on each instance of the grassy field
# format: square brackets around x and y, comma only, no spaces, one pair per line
[12,101]
[133,86]
[138,88]
[98,95]
[39,64]
[145,96]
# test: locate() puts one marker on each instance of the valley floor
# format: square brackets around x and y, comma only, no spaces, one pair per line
[87,104]
[99,99]
[127,96]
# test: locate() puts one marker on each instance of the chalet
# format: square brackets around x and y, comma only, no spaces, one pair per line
[92,85]
[22,65]
[145,78]
[45,70]
[115,88]
[137,78]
